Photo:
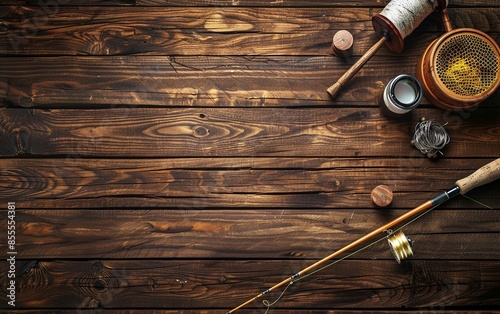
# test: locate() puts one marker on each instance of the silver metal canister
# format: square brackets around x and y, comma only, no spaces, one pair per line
[401,95]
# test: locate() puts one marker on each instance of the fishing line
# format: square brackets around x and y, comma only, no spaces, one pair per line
[484,175]
[389,232]
[477,202]
[399,254]
[406,15]
[269,305]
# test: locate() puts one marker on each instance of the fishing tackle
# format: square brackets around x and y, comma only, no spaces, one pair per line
[401,246]
[430,138]
[396,21]
[486,174]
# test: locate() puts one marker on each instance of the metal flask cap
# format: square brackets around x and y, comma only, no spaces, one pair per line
[405,91]
[401,95]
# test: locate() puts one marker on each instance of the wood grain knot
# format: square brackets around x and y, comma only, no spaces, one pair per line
[23,141]
[100,286]
[4,28]
[222,279]
[96,266]
[201,131]
[26,101]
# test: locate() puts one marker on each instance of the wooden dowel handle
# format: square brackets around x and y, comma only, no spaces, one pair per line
[486,174]
[335,88]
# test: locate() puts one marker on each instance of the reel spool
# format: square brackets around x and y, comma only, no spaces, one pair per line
[460,69]
[400,246]
[398,19]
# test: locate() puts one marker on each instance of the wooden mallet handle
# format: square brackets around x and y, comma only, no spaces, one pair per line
[486,174]
[334,89]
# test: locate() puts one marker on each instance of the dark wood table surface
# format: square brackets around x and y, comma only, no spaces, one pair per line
[172,156]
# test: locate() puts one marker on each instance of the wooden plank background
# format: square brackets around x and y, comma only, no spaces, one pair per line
[183,156]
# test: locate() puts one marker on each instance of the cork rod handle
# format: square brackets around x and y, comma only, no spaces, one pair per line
[486,174]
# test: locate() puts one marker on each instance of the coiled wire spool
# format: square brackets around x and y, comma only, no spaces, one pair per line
[400,246]
[430,138]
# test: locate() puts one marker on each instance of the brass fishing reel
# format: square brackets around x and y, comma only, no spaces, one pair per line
[401,246]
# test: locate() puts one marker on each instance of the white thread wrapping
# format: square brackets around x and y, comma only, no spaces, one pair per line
[406,15]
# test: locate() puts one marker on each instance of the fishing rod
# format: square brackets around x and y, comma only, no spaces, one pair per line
[486,174]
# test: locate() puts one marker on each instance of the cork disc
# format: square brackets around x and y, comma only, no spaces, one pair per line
[381,196]
[342,44]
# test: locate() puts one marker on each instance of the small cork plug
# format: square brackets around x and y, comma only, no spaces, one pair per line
[342,44]
[381,196]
